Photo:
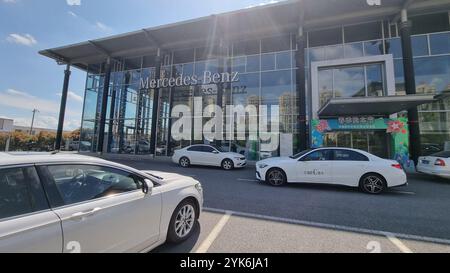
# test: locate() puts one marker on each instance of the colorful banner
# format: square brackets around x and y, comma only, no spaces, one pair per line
[397,128]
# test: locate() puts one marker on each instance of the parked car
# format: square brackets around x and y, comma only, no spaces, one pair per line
[64,203]
[141,146]
[349,167]
[208,155]
[79,146]
[437,164]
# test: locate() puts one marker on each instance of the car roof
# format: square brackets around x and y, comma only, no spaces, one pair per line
[20,158]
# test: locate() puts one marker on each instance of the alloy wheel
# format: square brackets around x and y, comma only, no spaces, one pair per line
[185,221]
[184,162]
[227,165]
[276,178]
[373,184]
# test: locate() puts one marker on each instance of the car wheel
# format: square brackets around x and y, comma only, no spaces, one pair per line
[184,162]
[182,222]
[276,177]
[372,183]
[227,164]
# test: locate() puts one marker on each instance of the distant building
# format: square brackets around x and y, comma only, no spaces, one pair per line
[6,125]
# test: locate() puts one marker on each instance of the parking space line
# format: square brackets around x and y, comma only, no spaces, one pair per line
[331,226]
[403,248]
[206,244]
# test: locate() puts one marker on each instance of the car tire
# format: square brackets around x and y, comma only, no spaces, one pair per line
[372,183]
[183,222]
[276,177]
[184,162]
[227,164]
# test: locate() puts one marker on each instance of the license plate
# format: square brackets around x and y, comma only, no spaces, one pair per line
[426,162]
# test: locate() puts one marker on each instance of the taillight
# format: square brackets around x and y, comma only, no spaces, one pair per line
[440,162]
[397,166]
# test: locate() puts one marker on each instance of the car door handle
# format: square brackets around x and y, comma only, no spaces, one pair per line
[81,215]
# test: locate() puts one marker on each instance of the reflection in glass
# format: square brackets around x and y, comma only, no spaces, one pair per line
[349,82]
[334,52]
[375,85]
[325,86]
[394,47]
[353,50]
[432,75]
[267,62]
[253,63]
[440,43]
[284,60]
[373,48]
[420,45]
[238,65]
[317,54]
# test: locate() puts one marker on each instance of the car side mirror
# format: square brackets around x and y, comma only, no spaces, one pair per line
[148,186]
[215,152]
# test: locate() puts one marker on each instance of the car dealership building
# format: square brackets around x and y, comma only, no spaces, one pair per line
[366,74]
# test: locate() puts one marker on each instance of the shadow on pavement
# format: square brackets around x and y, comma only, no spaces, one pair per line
[184,247]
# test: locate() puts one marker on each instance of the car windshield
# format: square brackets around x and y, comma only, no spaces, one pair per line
[297,156]
[445,154]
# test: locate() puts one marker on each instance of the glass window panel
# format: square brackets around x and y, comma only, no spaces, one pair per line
[429,23]
[183,56]
[239,64]
[394,47]
[188,69]
[399,77]
[317,54]
[267,62]
[325,86]
[276,87]
[349,82]
[246,91]
[440,43]
[375,86]
[278,43]
[432,74]
[325,37]
[253,63]
[373,48]
[334,52]
[90,105]
[363,32]
[420,45]
[246,48]
[353,50]
[284,60]
[200,68]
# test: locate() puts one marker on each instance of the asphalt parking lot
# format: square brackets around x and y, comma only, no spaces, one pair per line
[242,215]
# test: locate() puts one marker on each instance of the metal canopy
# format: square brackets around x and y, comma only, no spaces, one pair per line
[383,106]
[245,24]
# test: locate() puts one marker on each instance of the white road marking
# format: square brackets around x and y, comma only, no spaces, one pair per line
[206,244]
[331,226]
[398,243]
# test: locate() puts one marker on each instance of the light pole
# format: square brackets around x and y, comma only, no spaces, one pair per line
[32,120]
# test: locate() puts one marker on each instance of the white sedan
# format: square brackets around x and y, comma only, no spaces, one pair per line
[72,203]
[339,166]
[208,155]
[437,164]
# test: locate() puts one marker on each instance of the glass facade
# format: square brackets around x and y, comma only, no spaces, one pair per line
[431,51]
[266,70]
[267,76]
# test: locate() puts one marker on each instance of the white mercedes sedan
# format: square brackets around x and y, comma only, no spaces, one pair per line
[207,155]
[341,166]
[437,164]
[53,203]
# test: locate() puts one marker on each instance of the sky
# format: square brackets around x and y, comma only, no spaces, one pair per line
[30,81]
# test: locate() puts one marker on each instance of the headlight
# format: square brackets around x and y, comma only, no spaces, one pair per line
[237,158]
[199,188]
[262,166]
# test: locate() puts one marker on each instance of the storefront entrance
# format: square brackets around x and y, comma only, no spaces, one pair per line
[374,142]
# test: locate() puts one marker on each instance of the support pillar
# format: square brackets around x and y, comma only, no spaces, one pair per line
[104,107]
[155,109]
[410,86]
[303,139]
[62,110]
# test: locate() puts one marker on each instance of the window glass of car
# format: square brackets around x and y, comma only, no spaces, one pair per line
[195,149]
[20,192]
[320,155]
[80,183]
[208,149]
[347,155]
[445,154]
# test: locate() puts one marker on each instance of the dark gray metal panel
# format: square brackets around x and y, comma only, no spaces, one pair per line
[373,105]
